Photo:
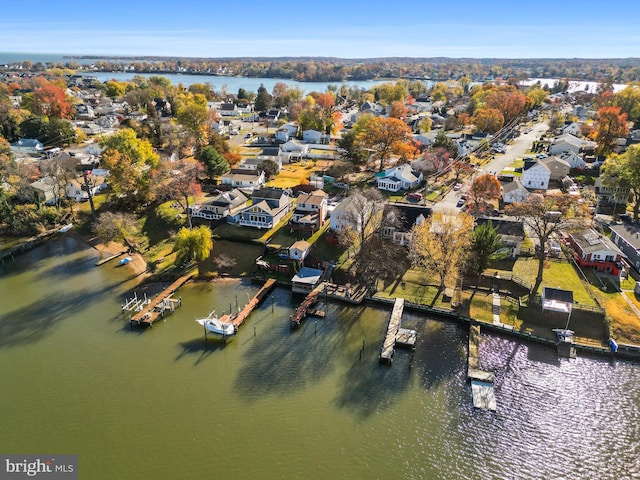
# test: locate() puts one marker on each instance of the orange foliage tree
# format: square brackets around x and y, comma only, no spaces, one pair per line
[488,120]
[387,136]
[48,101]
[612,124]
[484,189]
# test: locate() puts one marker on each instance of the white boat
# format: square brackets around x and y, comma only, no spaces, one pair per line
[214,325]
[66,228]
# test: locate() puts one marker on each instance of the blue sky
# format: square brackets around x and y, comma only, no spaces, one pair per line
[346,29]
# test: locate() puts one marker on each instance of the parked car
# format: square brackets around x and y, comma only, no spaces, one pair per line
[457,186]
[414,196]
[460,202]
[341,185]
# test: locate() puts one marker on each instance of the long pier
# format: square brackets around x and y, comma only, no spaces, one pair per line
[396,336]
[239,318]
[155,309]
[303,309]
[481,380]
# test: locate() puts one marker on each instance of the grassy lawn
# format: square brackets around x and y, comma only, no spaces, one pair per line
[231,259]
[556,274]
[291,175]
[227,231]
[416,287]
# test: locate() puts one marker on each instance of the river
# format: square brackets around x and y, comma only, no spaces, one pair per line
[233,84]
[164,404]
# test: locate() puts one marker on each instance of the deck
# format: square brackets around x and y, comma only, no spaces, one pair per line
[156,308]
[239,318]
[304,308]
[386,354]
[483,395]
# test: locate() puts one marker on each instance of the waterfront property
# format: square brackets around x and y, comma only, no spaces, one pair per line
[396,335]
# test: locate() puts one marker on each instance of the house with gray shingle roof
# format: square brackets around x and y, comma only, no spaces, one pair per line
[402,177]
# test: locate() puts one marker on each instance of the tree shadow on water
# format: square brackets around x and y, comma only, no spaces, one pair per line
[283,361]
[35,321]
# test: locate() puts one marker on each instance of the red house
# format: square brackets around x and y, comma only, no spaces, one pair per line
[592,249]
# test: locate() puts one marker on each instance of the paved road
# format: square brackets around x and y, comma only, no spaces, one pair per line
[513,151]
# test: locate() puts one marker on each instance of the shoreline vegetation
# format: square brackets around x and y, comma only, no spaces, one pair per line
[333,69]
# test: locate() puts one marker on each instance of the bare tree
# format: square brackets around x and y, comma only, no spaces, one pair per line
[546,215]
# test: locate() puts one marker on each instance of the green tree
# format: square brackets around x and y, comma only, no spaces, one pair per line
[113,88]
[485,248]
[215,163]
[193,114]
[629,101]
[623,171]
[193,244]
[263,100]
[269,167]
[118,227]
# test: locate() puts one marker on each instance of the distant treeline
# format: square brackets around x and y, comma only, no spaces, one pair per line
[324,69]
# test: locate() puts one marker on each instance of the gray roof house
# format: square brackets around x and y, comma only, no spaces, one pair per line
[627,238]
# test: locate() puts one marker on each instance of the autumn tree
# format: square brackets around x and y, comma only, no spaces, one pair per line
[623,171]
[545,216]
[629,102]
[118,227]
[442,141]
[7,163]
[387,136]
[488,120]
[348,145]
[181,182]
[484,190]
[612,124]
[439,245]
[508,100]
[131,162]
[48,101]
[398,110]
[269,167]
[193,244]
[113,88]
[193,114]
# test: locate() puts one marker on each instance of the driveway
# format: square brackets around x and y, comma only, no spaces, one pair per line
[513,151]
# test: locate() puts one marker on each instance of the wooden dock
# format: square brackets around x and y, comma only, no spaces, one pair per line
[156,308]
[239,318]
[481,380]
[304,308]
[386,354]
[109,258]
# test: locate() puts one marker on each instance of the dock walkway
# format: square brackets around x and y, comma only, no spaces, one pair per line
[386,354]
[155,309]
[481,380]
[303,309]
[239,318]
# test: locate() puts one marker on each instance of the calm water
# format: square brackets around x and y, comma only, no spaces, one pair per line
[233,84]
[163,404]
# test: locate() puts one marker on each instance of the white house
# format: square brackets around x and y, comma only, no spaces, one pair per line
[285,132]
[253,163]
[573,159]
[398,178]
[294,146]
[27,146]
[75,189]
[346,213]
[573,128]
[565,143]
[244,179]
[536,176]
[299,250]
[514,192]
[223,205]
[313,136]
[45,191]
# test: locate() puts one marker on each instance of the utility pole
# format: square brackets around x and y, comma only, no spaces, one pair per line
[87,186]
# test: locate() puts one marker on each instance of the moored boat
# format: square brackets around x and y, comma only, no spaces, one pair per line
[214,325]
